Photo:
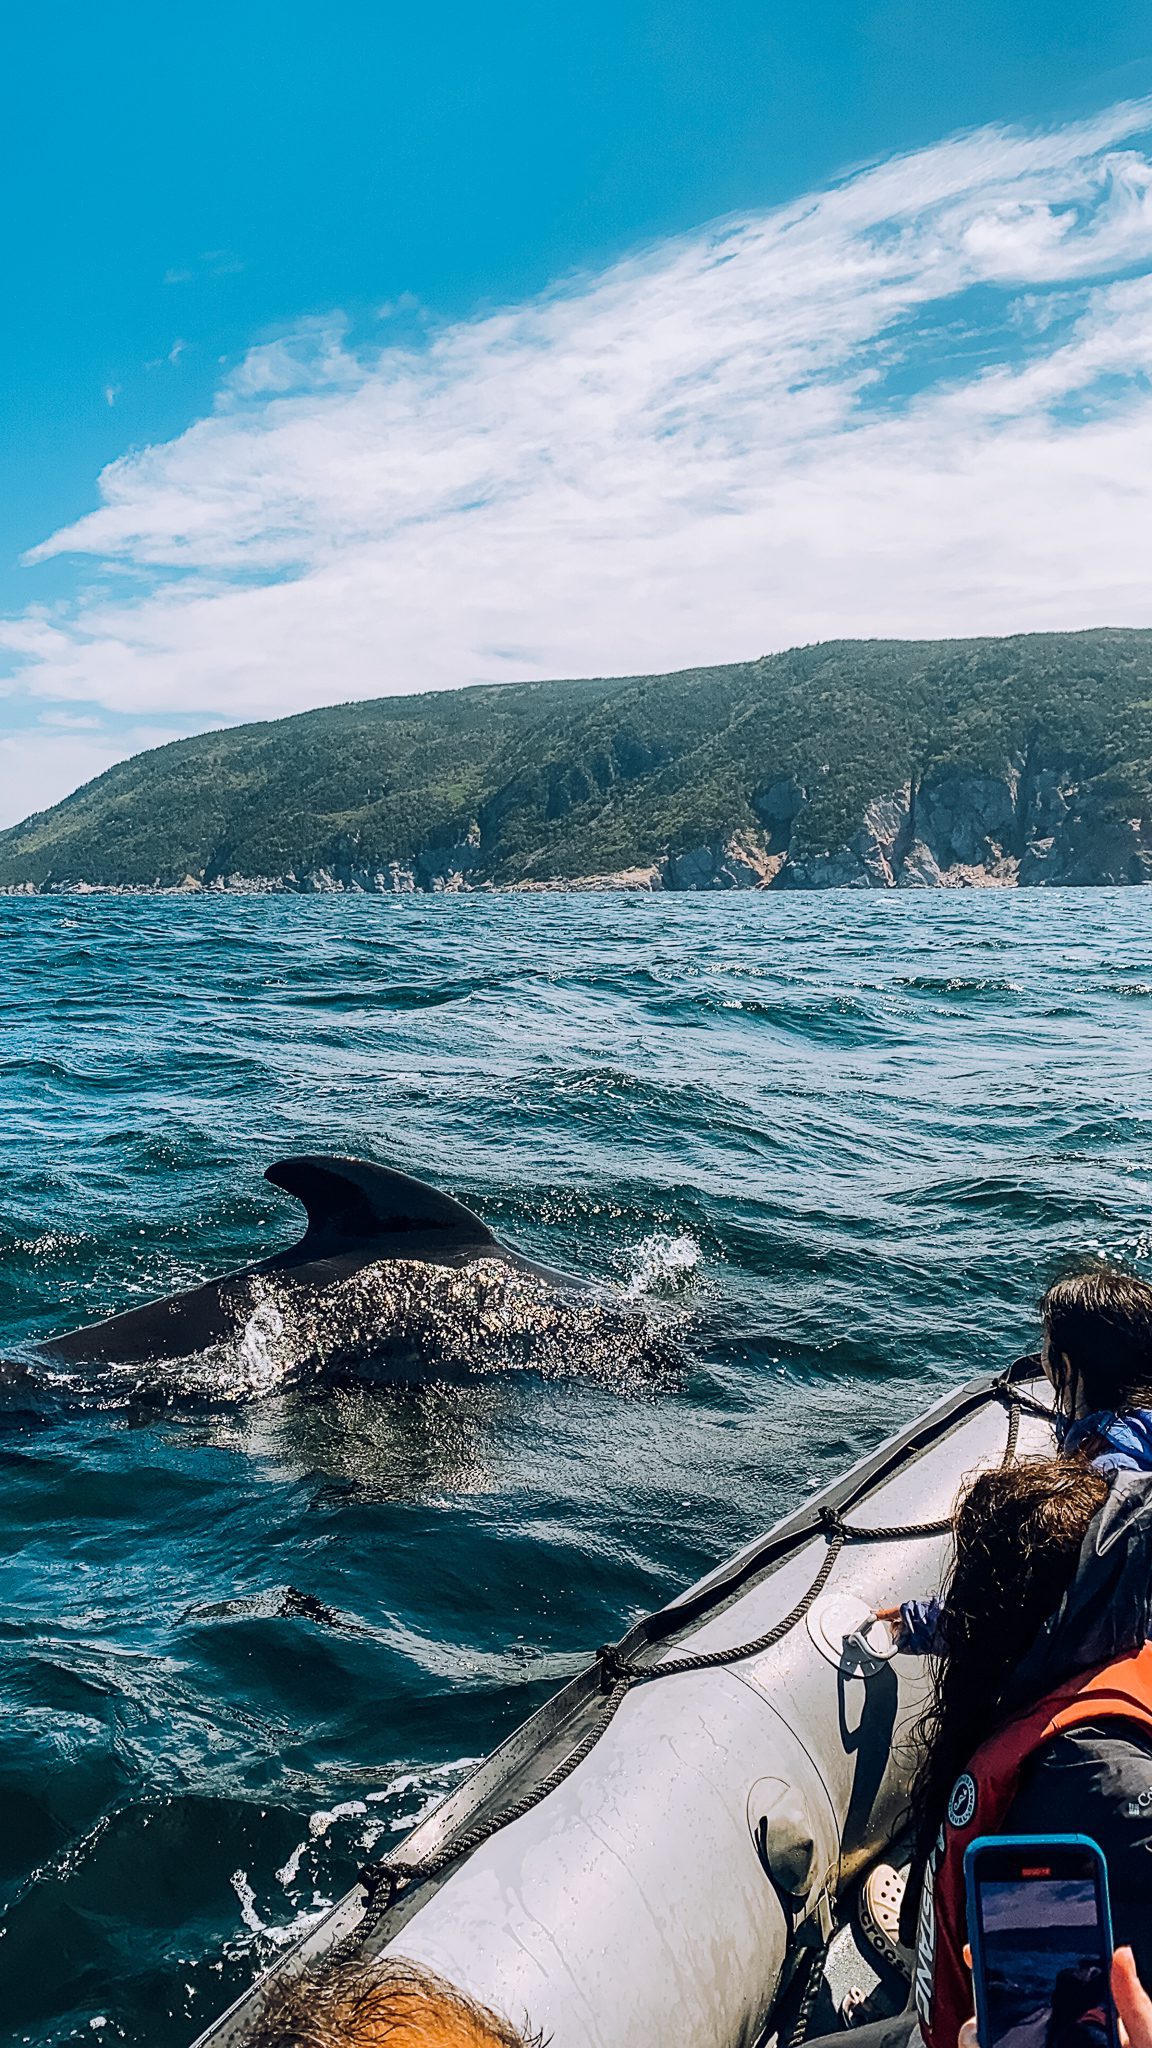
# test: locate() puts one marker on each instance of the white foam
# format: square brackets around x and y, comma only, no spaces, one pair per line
[432,1775]
[290,1871]
[247,1898]
[662,1264]
[319,1823]
[261,1346]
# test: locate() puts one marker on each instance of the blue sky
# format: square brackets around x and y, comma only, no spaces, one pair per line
[452,344]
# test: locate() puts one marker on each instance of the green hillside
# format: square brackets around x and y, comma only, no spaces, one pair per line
[1035,750]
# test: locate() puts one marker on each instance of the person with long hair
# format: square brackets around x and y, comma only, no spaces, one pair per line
[1097,1352]
[1040,1716]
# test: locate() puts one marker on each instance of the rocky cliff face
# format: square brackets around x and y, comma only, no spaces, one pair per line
[438,870]
[1036,828]
[1025,828]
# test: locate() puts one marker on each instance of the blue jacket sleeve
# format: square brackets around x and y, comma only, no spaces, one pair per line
[919,1634]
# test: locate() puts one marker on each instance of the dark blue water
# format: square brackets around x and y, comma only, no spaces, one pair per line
[832,1145]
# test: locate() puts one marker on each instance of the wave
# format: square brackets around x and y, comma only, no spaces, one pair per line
[393,996]
[959,984]
[836,1020]
[1018,1201]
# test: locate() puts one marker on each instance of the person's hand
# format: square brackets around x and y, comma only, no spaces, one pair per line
[1132,2001]
[894,1616]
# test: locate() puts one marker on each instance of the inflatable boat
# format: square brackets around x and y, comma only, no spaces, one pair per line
[664,1852]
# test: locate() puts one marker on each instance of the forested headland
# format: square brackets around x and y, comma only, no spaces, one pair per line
[1016,762]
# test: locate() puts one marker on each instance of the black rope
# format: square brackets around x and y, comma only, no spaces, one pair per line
[385,1879]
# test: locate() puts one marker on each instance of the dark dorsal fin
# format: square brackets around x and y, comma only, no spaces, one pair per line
[352,1198]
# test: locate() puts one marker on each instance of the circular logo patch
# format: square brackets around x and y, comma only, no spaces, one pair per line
[962,1804]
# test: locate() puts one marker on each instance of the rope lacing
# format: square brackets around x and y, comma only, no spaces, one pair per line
[385,1879]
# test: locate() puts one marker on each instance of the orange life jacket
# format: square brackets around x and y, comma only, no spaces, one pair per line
[978,1804]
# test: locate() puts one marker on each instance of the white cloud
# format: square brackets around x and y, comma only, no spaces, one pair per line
[40,766]
[915,403]
[210,263]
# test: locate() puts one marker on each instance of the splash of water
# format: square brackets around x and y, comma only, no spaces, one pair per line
[663,1264]
[405,1322]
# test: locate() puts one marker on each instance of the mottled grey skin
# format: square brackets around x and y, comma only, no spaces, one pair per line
[358,1215]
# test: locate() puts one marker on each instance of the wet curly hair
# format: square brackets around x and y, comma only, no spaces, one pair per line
[1018,1533]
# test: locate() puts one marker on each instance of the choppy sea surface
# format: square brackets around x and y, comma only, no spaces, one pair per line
[830,1147]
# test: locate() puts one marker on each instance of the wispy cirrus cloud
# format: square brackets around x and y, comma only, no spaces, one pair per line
[915,403]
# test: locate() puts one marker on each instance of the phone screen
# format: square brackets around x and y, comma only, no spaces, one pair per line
[1042,1946]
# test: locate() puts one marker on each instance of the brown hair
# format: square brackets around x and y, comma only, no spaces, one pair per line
[1099,1328]
[365,2004]
[1018,1533]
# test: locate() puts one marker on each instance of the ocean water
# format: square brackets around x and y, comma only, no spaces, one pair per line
[828,1147]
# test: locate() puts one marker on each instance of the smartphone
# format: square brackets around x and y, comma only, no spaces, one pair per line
[1041,1937]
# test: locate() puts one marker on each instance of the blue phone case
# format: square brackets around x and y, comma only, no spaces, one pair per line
[1039,1842]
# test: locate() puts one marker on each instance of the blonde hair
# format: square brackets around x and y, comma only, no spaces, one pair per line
[365,2004]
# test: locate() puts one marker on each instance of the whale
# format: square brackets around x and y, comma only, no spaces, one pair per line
[371,1234]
